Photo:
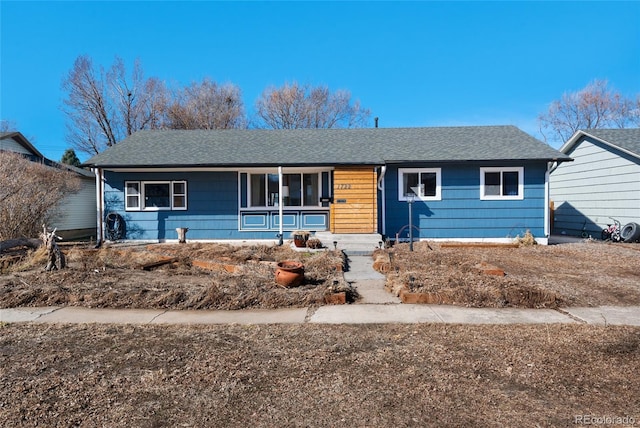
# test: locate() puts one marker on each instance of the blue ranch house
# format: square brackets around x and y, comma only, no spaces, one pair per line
[475,183]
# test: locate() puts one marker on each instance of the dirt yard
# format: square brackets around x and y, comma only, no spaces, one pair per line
[199,276]
[589,273]
[318,375]
[218,276]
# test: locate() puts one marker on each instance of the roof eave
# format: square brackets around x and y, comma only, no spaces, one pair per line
[228,165]
[22,140]
[451,161]
[579,134]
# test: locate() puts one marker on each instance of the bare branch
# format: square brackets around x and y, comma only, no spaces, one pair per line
[207,105]
[29,194]
[104,108]
[293,106]
[595,106]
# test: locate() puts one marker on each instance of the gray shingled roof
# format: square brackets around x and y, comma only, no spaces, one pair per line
[628,139]
[22,140]
[369,146]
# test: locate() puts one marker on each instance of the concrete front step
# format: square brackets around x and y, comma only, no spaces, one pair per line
[351,243]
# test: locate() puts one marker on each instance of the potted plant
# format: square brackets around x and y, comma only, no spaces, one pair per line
[314,243]
[300,238]
[289,273]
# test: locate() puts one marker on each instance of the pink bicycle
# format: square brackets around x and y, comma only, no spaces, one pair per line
[612,231]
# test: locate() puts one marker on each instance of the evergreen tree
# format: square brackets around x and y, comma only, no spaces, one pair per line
[69,158]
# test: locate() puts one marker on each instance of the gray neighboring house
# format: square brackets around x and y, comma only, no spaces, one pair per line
[603,181]
[76,214]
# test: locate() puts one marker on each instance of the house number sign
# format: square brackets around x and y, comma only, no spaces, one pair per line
[343,186]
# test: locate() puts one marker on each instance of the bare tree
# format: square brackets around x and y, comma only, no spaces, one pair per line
[29,194]
[302,106]
[635,112]
[88,108]
[8,125]
[207,105]
[141,102]
[105,107]
[595,106]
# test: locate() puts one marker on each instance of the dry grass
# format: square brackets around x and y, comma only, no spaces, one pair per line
[112,277]
[316,376]
[581,274]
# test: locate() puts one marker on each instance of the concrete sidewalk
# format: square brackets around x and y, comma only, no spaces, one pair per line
[338,314]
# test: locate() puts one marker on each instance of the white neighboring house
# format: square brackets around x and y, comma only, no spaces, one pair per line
[76,214]
[602,182]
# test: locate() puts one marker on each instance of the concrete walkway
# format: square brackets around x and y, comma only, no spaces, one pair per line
[368,282]
[376,306]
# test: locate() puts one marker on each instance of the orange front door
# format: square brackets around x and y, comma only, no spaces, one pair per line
[355,200]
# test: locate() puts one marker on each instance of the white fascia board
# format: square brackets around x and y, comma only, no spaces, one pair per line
[579,134]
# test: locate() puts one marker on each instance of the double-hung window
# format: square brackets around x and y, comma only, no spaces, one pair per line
[155,195]
[501,183]
[419,183]
[132,195]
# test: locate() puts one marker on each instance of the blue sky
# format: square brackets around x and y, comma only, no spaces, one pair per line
[411,63]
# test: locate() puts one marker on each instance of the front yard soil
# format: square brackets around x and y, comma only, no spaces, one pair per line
[317,375]
[588,273]
[199,276]
[222,276]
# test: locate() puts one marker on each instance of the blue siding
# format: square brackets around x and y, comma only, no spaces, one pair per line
[461,213]
[212,207]
[212,203]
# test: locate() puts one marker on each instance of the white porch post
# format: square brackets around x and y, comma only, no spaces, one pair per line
[280,202]
[99,204]
[381,186]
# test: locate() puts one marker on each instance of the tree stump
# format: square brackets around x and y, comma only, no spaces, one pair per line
[55,258]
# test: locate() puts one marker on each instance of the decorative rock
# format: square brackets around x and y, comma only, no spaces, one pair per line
[336,298]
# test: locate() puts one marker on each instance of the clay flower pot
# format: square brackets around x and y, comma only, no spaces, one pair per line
[289,273]
[300,238]
[299,242]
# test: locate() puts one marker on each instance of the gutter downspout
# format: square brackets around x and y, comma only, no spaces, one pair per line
[280,207]
[383,205]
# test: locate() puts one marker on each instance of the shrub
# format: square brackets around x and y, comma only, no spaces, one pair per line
[29,194]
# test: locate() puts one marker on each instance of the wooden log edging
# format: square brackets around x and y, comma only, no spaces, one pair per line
[479,245]
[33,243]
[215,266]
[163,261]
[489,269]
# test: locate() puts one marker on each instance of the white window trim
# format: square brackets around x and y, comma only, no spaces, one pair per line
[173,207]
[141,196]
[519,196]
[138,195]
[437,171]
[301,173]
